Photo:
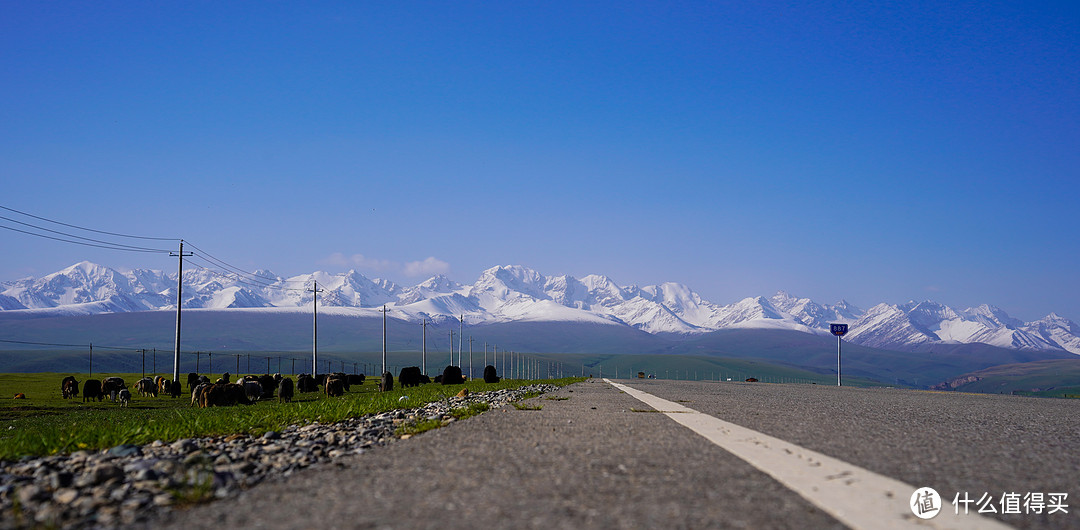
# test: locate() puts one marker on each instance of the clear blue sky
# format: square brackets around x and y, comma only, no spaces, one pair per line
[878,153]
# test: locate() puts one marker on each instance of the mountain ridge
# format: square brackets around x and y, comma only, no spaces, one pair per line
[514,293]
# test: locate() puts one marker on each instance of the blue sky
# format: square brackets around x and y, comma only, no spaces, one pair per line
[877,153]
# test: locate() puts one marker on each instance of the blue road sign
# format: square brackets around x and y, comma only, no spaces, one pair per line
[838,329]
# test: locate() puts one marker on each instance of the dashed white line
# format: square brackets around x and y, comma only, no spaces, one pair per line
[855,496]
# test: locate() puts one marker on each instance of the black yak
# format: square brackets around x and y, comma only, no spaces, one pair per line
[451,375]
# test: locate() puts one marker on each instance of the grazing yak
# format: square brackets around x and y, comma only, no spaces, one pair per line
[334,387]
[146,387]
[344,379]
[490,375]
[269,384]
[175,389]
[386,383]
[221,395]
[285,390]
[124,397]
[69,387]
[111,386]
[252,390]
[196,394]
[409,376]
[192,381]
[452,376]
[92,390]
[356,379]
[306,383]
[20,395]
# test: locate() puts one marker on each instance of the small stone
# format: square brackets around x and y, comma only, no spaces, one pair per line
[61,479]
[105,472]
[126,450]
[271,435]
[30,493]
[66,495]
[163,499]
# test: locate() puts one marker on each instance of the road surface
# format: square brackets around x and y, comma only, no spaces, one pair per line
[604,459]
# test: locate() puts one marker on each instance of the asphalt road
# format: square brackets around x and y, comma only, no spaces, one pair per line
[599,460]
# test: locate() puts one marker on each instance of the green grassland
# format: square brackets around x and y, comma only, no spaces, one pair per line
[44,423]
[1050,378]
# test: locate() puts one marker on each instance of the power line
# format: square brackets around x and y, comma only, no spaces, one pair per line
[120,245]
[89,229]
[110,247]
[67,345]
[233,277]
[233,268]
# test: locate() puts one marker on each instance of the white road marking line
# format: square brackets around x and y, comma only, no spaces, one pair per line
[855,496]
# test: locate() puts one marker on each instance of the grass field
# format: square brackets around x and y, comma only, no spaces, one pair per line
[44,423]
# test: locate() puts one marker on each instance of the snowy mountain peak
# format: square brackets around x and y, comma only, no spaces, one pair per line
[517,293]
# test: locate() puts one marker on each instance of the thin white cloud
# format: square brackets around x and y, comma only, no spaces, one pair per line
[427,267]
[360,261]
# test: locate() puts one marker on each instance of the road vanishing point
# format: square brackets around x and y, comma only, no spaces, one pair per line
[692,454]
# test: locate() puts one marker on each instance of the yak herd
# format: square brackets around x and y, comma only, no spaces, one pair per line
[249,389]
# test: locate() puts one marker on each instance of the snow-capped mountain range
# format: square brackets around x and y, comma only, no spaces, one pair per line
[515,293]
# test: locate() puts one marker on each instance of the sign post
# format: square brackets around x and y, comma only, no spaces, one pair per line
[839,330]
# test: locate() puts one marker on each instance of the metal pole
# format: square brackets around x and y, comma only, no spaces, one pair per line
[91,359]
[451,347]
[383,339]
[838,360]
[314,327]
[460,335]
[470,357]
[423,358]
[179,303]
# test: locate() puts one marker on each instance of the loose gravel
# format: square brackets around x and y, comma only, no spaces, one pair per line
[128,484]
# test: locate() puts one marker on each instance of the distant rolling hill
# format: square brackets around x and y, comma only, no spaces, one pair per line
[1048,377]
[351,338]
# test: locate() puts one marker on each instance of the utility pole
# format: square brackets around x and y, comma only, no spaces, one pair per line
[460,335]
[314,326]
[383,311]
[423,358]
[495,356]
[470,356]
[179,302]
[451,347]
[91,359]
